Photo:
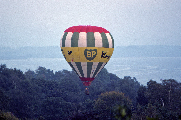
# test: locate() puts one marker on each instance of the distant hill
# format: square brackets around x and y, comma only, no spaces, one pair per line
[30,52]
[119,51]
[147,51]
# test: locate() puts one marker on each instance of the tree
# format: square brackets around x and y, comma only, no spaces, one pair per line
[30,74]
[44,73]
[107,102]
[55,108]
[141,98]
[7,116]
[159,100]
[123,112]
[4,101]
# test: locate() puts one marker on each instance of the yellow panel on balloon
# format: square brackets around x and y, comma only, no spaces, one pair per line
[87,54]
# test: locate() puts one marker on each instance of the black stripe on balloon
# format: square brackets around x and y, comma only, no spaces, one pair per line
[74,39]
[112,40]
[79,66]
[90,39]
[73,68]
[64,38]
[104,40]
[89,68]
[97,69]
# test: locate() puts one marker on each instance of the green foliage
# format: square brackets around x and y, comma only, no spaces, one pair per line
[7,116]
[129,86]
[107,102]
[148,118]
[4,101]
[123,113]
[141,98]
[159,100]
[44,94]
[56,108]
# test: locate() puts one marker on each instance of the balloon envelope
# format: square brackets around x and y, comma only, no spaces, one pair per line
[87,49]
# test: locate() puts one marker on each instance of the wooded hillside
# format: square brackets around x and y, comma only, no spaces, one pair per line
[46,95]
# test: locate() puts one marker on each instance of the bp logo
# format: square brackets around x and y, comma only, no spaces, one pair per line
[90,54]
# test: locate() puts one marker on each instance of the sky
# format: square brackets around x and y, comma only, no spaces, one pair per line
[131,22]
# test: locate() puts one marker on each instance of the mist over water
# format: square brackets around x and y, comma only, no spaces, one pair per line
[145,69]
[142,68]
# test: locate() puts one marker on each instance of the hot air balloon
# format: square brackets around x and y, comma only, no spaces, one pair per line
[87,49]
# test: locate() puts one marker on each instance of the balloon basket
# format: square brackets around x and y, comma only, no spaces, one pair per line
[86,91]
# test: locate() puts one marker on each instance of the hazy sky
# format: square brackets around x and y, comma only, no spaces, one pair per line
[131,22]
